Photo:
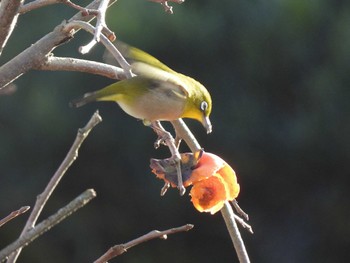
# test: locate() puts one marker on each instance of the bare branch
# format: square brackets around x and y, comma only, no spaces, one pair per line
[14,214]
[243,223]
[183,132]
[32,56]
[8,18]
[105,41]
[48,223]
[35,55]
[228,215]
[243,214]
[101,26]
[73,64]
[101,19]
[86,49]
[67,162]
[41,3]
[37,4]
[167,7]
[239,209]
[120,249]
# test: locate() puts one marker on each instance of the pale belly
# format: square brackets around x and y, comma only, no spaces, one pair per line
[152,108]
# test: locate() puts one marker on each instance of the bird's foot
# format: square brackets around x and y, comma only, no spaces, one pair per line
[166,138]
[162,139]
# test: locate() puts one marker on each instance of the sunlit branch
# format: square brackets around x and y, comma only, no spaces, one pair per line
[81,65]
[67,162]
[47,224]
[122,248]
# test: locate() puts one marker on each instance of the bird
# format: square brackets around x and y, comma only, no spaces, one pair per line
[156,93]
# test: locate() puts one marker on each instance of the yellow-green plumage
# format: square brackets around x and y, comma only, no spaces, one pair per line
[156,93]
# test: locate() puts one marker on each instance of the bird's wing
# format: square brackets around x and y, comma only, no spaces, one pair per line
[165,90]
[133,55]
[148,71]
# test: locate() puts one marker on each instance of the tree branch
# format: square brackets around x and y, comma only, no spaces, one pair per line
[13,215]
[53,63]
[183,132]
[167,7]
[243,223]
[229,217]
[48,223]
[35,55]
[122,248]
[101,19]
[67,162]
[41,3]
[101,26]
[105,41]
[37,4]
[8,18]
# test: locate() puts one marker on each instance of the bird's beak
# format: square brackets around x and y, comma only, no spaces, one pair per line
[207,124]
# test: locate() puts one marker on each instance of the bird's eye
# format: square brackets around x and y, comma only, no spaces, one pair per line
[204,106]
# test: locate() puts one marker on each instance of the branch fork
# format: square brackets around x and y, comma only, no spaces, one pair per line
[56,178]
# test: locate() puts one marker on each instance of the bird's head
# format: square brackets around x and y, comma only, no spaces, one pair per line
[199,106]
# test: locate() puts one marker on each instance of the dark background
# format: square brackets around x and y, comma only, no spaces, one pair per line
[278,72]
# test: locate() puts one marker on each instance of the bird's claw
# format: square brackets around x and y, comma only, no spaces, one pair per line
[160,141]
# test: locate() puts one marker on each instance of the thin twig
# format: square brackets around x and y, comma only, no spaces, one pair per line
[48,223]
[41,3]
[101,25]
[101,19]
[90,8]
[122,248]
[243,223]
[74,64]
[27,7]
[105,41]
[239,210]
[167,7]
[228,215]
[8,19]
[67,162]
[13,215]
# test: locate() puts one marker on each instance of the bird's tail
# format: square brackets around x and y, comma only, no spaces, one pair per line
[88,97]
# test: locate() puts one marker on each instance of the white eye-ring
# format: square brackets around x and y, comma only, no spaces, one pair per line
[204,106]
